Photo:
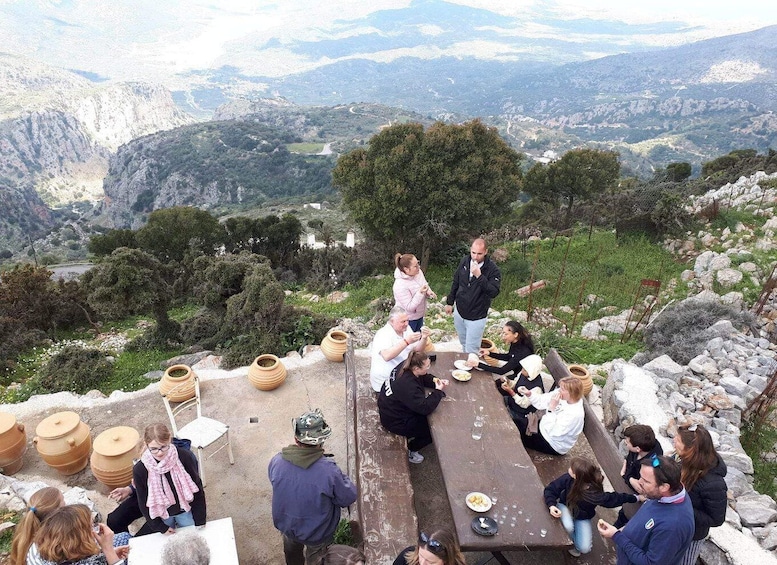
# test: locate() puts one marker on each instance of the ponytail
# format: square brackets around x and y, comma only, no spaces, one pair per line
[42,503]
[415,359]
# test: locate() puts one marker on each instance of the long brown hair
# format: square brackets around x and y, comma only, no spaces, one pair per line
[587,485]
[524,336]
[415,360]
[449,550]
[67,535]
[699,456]
[42,503]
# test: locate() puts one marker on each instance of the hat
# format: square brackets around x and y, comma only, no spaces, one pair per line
[310,428]
[533,365]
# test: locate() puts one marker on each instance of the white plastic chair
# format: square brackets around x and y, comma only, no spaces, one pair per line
[201,431]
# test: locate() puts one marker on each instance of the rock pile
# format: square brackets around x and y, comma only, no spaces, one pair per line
[713,390]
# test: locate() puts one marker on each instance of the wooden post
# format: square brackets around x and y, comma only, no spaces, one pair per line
[531,279]
[561,274]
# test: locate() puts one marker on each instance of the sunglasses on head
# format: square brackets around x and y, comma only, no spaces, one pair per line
[432,544]
[655,461]
[692,428]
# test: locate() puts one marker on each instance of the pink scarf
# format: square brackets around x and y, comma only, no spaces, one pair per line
[160,496]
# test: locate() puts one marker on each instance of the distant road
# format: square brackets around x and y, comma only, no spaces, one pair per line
[69,271]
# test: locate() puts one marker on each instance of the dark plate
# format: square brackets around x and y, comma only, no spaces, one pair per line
[487,527]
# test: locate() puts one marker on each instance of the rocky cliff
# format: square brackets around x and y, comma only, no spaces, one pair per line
[57,133]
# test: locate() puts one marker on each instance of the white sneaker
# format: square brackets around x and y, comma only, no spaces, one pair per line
[414,457]
[574,552]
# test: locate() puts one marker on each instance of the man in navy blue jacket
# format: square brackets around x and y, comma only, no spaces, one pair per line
[662,529]
[308,491]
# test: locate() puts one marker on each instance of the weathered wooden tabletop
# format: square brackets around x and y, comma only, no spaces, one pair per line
[497,463]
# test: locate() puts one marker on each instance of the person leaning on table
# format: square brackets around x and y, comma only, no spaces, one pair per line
[562,421]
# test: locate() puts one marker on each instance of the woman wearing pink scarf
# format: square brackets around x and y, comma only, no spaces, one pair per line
[168,484]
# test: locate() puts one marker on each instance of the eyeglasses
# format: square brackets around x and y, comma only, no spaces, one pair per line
[433,545]
[655,461]
[159,449]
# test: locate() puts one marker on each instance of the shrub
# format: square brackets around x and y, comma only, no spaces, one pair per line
[682,331]
[75,369]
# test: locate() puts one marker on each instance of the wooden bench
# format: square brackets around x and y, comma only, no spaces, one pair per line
[607,455]
[384,521]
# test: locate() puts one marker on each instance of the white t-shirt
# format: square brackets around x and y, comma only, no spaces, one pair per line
[380,369]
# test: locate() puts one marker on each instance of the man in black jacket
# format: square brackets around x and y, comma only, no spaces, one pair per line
[476,283]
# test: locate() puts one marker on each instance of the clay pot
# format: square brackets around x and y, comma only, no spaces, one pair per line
[429,346]
[63,442]
[111,460]
[334,344]
[13,444]
[486,343]
[582,373]
[267,372]
[180,376]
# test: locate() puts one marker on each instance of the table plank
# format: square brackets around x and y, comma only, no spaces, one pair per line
[497,461]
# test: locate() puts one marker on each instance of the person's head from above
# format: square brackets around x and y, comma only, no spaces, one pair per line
[43,503]
[639,437]
[407,263]
[571,389]
[659,476]
[478,250]
[436,546]
[418,363]
[187,548]
[337,554]
[531,366]
[398,319]
[693,444]
[310,429]
[514,332]
[158,440]
[67,535]
[585,471]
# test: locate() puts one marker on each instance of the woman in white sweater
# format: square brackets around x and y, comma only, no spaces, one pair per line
[562,421]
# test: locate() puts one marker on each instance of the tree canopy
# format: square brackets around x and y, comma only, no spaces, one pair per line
[578,174]
[171,232]
[415,190]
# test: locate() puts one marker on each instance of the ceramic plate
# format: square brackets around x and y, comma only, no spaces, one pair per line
[478,502]
[485,526]
[461,364]
[462,376]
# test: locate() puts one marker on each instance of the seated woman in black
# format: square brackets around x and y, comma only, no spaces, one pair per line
[519,341]
[403,404]
[518,404]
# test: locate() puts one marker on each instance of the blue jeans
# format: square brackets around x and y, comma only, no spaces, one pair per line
[579,531]
[470,332]
[416,325]
[180,520]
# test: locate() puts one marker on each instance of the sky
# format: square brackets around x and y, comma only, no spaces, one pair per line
[157,39]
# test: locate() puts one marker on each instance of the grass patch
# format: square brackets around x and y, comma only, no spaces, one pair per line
[7,536]
[756,442]
[130,367]
[305,147]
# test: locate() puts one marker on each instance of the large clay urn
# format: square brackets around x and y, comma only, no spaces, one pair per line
[13,444]
[63,442]
[489,345]
[179,378]
[267,372]
[582,373]
[334,344]
[112,458]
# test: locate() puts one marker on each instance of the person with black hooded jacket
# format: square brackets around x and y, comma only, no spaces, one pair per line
[403,404]
[703,475]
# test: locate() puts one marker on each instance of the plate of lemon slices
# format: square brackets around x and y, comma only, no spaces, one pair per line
[478,502]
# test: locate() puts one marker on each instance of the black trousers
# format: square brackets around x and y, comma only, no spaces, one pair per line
[534,441]
[416,430]
[126,513]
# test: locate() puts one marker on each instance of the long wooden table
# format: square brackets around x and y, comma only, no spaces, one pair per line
[496,464]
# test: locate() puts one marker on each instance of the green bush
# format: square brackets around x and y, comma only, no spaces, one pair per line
[75,369]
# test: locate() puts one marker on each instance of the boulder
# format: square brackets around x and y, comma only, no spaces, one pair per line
[664,366]
[756,510]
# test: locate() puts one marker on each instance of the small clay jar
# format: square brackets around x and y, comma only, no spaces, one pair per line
[177,383]
[113,455]
[267,372]
[63,442]
[13,444]
[489,345]
[582,373]
[334,344]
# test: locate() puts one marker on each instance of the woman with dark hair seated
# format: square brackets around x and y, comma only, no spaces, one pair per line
[403,404]
[520,346]
[438,547]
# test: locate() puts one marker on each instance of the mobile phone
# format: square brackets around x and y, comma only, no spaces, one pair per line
[432,357]
[96,528]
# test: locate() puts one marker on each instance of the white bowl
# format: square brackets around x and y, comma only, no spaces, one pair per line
[461,364]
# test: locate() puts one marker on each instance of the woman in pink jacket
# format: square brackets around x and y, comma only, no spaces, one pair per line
[411,289]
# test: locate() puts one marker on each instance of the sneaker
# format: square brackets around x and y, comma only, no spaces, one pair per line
[414,457]
[574,552]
